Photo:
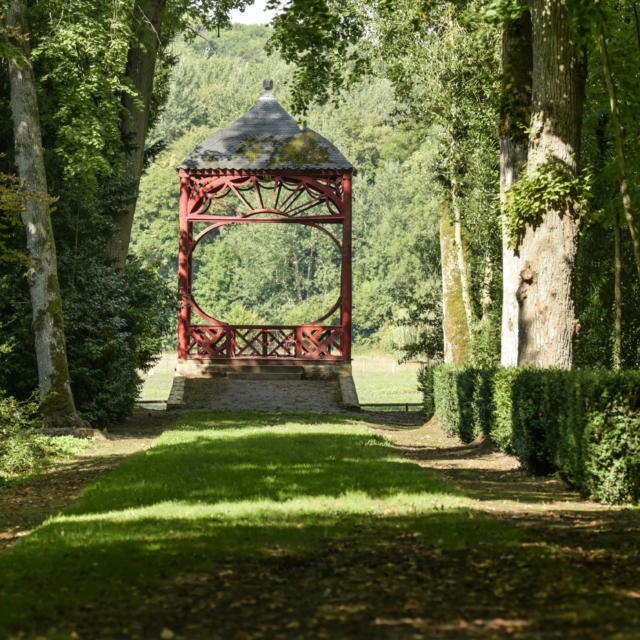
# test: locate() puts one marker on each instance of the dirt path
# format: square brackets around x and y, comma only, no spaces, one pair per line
[545,507]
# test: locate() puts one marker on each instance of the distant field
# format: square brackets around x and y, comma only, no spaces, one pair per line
[157,381]
[378,378]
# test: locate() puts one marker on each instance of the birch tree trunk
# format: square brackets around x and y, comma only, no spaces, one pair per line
[548,250]
[141,65]
[56,397]
[517,62]
[454,323]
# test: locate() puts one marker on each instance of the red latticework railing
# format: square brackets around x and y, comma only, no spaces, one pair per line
[305,342]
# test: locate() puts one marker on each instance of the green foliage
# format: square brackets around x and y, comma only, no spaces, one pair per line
[22,448]
[594,290]
[502,427]
[114,326]
[527,404]
[426,387]
[12,199]
[552,186]
[462,398]
[612,433]
[584,424]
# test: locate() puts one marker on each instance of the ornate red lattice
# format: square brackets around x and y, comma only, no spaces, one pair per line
[258,342]
[222,197]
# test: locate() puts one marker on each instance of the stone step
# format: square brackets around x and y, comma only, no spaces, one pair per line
[265,368]
[265,375]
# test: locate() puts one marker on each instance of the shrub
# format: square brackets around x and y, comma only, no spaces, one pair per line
[22,448]
[605,429]
[463,401]
[503,411]
[583,424]
[114,325]
[425,384]
[527,403]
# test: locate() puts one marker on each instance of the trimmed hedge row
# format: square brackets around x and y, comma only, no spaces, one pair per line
[584,424]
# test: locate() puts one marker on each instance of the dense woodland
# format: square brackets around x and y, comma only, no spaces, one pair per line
[495,214]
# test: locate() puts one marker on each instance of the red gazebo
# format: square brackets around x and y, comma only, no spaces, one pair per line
[264,169]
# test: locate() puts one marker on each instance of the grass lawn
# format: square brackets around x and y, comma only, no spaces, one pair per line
[294,526]
[379,378]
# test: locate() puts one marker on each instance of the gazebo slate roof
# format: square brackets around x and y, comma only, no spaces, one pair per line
[266,137]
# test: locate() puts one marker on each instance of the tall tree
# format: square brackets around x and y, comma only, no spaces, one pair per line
[515,113]
[550,201]
[155,24]
[621,158]
[53,373]
[455,326]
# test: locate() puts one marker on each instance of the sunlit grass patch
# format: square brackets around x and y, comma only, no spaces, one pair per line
[380,379]
[222,486]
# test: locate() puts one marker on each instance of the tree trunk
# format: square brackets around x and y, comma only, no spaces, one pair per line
[56,397]
[548,250]
[141,64]
[454,323]
[461,247]
[632,223]
[617,288]
[515,115]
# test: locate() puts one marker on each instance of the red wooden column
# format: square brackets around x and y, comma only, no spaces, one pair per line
[345,293]
[183,268]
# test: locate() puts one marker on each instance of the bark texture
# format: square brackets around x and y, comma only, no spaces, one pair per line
[454,323]
[548,251]
[141,65]
[53,373]
[515,115]
[617,291]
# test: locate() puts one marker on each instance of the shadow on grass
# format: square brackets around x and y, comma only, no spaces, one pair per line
[295,527]
[436,575]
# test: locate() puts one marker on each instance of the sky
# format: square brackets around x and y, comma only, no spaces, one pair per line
[255,14]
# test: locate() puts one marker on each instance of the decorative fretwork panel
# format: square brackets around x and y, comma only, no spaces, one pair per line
[249,341]
[246,196]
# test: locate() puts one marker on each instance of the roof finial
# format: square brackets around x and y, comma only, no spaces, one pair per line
[267,83]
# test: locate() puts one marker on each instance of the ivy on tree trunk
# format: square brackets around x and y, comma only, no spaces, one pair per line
[548,249]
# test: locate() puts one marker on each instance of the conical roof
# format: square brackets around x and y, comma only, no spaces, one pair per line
[266,137]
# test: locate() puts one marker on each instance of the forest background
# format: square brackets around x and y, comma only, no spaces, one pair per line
[422,131]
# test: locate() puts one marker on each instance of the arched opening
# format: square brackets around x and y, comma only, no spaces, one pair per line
[266,274]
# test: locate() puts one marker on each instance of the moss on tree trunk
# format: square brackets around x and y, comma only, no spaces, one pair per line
[53,373]
[454,323]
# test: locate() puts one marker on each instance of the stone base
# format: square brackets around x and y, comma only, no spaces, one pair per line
[311,370]
[348,393]
[271,379]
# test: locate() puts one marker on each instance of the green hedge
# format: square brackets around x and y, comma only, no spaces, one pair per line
[462,398]
[425,384]
[583,424]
